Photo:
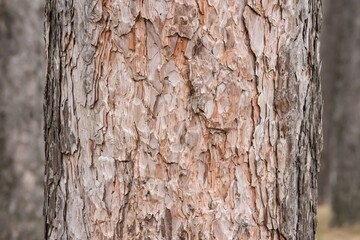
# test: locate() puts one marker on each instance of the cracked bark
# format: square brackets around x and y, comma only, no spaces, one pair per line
[182,119]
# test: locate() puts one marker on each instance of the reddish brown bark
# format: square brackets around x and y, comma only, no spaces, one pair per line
[182,119]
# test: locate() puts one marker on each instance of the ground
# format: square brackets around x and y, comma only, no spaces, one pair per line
[325,232]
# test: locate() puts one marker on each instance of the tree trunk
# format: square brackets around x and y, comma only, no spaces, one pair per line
[182,119]
[329,75]
[344,133]
[21,141]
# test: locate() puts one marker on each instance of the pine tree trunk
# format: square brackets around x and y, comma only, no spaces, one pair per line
[182,119]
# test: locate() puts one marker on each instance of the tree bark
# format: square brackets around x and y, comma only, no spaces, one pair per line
[182,119]
[343,135]
[21,141]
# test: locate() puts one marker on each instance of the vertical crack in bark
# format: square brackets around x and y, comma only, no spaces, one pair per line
[124,208]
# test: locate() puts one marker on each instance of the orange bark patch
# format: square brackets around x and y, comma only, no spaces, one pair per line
[132,39]
[202,6]
[179,51]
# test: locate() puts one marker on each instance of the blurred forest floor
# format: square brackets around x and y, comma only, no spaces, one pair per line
[326,232]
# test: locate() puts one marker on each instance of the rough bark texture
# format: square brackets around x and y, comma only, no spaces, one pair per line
[344,137]
[21,141]
[182,119]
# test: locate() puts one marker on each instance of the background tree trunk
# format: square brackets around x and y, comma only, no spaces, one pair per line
[182,119]
[341,76]
[21,141]
[329,76]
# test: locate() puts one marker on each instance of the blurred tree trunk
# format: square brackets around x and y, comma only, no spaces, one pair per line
[182,119]
[344,113]
[330,48]
[21,145]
